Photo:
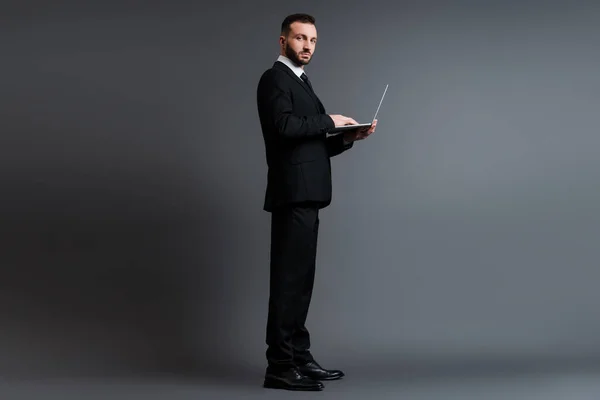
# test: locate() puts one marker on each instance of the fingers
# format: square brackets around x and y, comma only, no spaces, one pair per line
[373,127]
[341,120]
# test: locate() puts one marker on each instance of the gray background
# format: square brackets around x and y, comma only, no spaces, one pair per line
[133,172]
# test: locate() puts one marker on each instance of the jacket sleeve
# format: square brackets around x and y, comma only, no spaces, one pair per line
[336,145]
[274,100]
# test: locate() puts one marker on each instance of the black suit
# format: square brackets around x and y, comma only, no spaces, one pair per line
[298,151]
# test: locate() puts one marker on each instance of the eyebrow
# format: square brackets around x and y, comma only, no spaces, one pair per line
[302,34]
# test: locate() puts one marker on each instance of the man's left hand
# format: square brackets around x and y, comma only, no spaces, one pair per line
[361,133]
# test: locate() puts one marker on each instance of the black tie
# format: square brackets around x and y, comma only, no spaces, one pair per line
[305,79]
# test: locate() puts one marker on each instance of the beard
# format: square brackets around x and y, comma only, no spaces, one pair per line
[295,57]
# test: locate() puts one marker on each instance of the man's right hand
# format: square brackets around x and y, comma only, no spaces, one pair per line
[340,120]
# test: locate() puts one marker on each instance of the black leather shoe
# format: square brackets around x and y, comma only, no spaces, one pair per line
[313,370]
[290,379]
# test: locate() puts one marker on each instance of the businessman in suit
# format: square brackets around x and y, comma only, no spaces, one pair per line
[298,150]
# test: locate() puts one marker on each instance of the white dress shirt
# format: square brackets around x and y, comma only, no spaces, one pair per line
[295,68]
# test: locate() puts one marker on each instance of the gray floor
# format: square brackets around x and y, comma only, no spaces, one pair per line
[447,383]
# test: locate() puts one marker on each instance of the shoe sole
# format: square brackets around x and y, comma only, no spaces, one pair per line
[325,378]
[277,384]
[335,378]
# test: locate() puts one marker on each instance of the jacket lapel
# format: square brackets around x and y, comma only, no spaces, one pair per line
[300,82]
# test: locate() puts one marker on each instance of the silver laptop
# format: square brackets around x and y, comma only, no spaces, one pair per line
[355,126]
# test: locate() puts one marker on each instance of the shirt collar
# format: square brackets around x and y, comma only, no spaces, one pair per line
[295,69]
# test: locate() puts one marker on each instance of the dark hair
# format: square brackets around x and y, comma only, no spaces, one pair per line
[290,19]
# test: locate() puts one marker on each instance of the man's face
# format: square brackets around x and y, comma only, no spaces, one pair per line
[300,44]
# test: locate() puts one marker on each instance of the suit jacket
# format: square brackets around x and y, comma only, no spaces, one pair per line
[298,151]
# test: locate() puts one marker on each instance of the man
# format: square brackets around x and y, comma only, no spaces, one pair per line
[298,151]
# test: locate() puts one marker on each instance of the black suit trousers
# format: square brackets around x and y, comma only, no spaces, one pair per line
[294,232]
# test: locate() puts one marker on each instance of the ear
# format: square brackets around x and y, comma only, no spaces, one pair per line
[281,40]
